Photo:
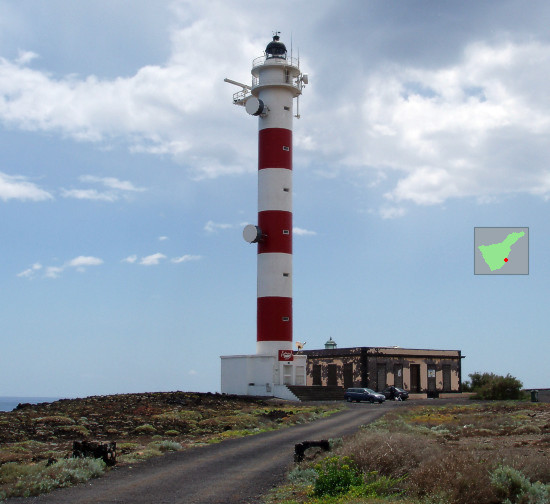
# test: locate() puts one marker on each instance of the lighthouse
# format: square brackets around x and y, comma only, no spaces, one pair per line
[276,82]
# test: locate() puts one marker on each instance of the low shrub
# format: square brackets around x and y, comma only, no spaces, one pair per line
[145,429]
[41,478]
[166,445]
[306,476]
[512,487]
[336,475]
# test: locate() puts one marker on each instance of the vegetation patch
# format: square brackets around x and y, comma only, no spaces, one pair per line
[490,453]
[36,440]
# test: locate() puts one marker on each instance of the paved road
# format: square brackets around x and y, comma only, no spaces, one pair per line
[235,471]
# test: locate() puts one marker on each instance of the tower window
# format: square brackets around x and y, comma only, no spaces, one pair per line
[286,189]
[286,108]
[286,274]
[286,319]
[285,148]
[286,231]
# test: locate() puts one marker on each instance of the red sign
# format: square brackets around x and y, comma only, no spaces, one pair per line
[286,355]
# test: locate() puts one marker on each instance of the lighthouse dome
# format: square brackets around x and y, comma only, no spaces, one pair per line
[275,49]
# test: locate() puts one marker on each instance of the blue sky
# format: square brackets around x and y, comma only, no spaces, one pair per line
[127,175]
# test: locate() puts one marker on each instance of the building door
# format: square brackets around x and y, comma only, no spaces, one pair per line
[287,374]
[398,375]
[316,374]
[415,378]
[431,378]
[446,377]
[331,378]
[381,376]
[348,375]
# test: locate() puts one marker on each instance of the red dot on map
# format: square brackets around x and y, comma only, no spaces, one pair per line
[505,259]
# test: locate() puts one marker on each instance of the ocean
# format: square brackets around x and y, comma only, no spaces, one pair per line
[10,403]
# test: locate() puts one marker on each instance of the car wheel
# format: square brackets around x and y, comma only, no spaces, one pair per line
[380,402]
[371,401]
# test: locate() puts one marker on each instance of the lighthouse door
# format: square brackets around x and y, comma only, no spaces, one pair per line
[287,374]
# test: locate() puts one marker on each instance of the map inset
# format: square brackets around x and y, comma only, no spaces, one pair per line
[501,251]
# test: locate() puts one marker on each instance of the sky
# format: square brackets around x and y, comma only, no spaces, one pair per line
[127,175]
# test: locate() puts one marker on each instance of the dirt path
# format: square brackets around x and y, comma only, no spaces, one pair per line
[231,472]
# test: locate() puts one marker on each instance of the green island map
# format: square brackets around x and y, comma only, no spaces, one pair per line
[496,255]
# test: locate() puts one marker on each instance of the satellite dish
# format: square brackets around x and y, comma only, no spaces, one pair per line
[252,233]
[254,106]
[305,79]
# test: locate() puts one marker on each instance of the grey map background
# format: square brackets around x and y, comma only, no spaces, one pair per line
[518,259]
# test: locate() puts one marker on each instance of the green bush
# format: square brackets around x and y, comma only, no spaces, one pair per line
[490,386]
[145,429]
[299,475]
[336,476]
[39,479]
[514,488]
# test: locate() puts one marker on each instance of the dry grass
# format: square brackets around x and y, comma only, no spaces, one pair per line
[449,454]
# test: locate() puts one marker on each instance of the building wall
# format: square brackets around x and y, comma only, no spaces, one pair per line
[369,366]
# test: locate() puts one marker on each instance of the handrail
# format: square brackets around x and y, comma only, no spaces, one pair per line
[288,61]
[277,82]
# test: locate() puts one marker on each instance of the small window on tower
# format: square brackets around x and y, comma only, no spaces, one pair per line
[286,319]
[286,108]
[286,274]
[285,148]
[286,189]
[286,231]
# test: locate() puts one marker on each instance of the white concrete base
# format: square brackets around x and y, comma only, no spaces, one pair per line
[261,375]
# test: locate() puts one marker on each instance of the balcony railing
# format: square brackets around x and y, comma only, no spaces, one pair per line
[288,61]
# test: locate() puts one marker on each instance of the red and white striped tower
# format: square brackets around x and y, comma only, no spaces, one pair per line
[276,81]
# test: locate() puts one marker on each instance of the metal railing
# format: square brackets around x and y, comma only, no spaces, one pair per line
[288,61]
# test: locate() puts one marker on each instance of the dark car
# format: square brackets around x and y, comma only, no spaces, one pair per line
[395,393]
[363,394]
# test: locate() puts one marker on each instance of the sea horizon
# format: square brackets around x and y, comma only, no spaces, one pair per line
[9,403]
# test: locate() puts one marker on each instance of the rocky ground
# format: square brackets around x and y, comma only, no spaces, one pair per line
[140,424]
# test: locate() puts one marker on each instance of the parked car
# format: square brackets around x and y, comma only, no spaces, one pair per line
[392,393]
[363,394]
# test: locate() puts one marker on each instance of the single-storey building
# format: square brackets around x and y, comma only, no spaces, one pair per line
[416,370]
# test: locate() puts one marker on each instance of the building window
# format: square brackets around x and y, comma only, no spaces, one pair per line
[286,231]
[286,189]
[286,319]
[286,108]
[286,274]
[285,148]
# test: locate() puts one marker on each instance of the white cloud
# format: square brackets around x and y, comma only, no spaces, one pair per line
[117,188]
[186,258]
[84,261]
[30,272]
[392,212]
[112,183]
[53,271]
[89,194]
[130,259]
[214,227]
[17,187]
[164,109]
[79,263]
[152,260]
[163,238]
[303,232]
[465,130]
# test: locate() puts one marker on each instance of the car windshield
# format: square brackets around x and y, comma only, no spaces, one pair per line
[370,391]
